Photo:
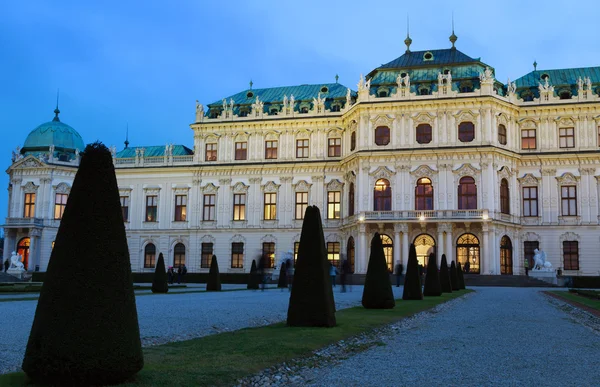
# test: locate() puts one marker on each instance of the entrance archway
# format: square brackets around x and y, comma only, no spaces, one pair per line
[467,249]
[425,245]
[23,251]
[506,263]
[388,250]
[350,251]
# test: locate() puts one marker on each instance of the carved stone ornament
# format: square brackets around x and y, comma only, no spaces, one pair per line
[268,238]
[334,132]
[303,133]
[31,162]
[531,237]
[270,187]
[504,173]
[225,181]
[423,171]
[241,137]
[423,118]
[565,121]
[210,188]
[181,190]
[335,185]
[382,173]
[528,124]
[271,136]
[382,120]
[30,187]
[237,238]
[211,139]
[62,188]
[152,190]
[302,186]
[466,115]
[569,236]
[208,239]
[255,180]
[528,180]
[332,238]
[240,187]
[352,125]
[567,178]
[466,170]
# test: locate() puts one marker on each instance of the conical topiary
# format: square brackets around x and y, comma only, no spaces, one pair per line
[253,278]
[159,284]
[412,280]
[311,299]
[282,276]
[377,293]
[461,277]
[445,276]
[85,330]
[214,279]
[432,278]
[454,277]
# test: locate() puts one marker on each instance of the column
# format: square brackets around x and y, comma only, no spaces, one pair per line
[397,246]
[6,255]
[440,243]
[449,244]
[486,250]
[285,200]
[516,255]
[225,203]
[33,249]
[360,258]
[17,199]
[405,246]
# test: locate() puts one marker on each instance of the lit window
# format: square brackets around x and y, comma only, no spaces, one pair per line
[333,253]
[528,139]
[179,255]
[180,208]
[270,208]
[239,207]
[237,255]
[301,204]
[60,202]
[151,208]
[424,195]
[333,204]
[269,253]
[149,255]
[382,196]
[29,207]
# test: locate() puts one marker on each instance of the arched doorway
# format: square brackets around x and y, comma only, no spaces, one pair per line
[388,250]
[350,251]
[425,245]
[506,263]
[23,251]
[382,196]
[467,249]
[179,255]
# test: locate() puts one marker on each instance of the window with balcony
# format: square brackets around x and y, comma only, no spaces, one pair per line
[467,194]
[206,254]
[211,152]
[571,255]
[237,255]
[179,255]
[333,204]
[502,134]
[302,149]
[301,204]
[566,137]
[382,135]
[241,150]
[568,200]
[271,150]
[528,139]
[125,208]
[60,202]
[530,201]
[382,196]
[351,200]
[149,256]
[269,253]
[504,197]
[239,207]
[29,206]
[466,131]
[270,206]
[151,208]
[334,147]
[180,208]
[424,194]
[333,253]
[208,210]
[423,134]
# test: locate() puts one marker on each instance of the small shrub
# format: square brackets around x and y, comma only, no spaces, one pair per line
[159,284]
[214,280]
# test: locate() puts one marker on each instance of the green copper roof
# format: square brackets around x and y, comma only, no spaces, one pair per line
[419,59]
[559,77]
[426,74]
[56,133]
[154,151]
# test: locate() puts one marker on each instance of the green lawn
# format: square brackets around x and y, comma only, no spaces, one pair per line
[595,304]
[223,358]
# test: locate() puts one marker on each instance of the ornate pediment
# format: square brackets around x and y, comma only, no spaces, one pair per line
[208,239]
[334,132]
[241,137]
[210,188]
[332,238]
[423,118]
[466,170]
[569,236]
[465,115]
[271,136]
[335,185]
[531,237]
[528,123]
[382,173]
[528,180]
[268,238]
[30,187]
[423,171]
[181,190]
[62,188]
[270,187]
[302,186]
[382,120]
[503,119]
[153,190]
[237,238]
[211,139]
[567,178]
[564,121]
[240,187]
[303,133]
[504,173]
[28,162]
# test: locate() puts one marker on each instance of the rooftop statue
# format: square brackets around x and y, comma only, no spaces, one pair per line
[199,111]
[580,83]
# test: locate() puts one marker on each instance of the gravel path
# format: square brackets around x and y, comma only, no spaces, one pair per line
[497,336]
[171,317]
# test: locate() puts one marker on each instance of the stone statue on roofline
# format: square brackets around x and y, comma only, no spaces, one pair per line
[361,83]
[579,83]
[348,98]
[199,111]
[588,83]
[16,154]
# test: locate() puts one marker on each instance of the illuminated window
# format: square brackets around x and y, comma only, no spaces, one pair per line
[149,255]
[180,208]
[29,207]
[333,253]
[179,255]
[270,207]
[151,208]
[237,255]
[382,196]
[333,204]
[301,204]
[296,247]
[269,253]
[60,202]
[239,207]
[424,194]
[206,255]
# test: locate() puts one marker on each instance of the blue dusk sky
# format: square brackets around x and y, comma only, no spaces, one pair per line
[146,62]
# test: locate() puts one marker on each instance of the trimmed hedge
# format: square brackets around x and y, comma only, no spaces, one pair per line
[461,277]
[283,276]
[412,280]
[160,285]
[311,300]
[454,276]
[377,293]
[445,276]
[214,280]
[432,278]
[85,330]
[253,277]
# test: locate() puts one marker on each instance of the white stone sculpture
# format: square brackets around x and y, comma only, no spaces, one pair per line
[511,87]
[540,262]
[487,76]
[361,83]
[348,98]
[15,262]
[579,83]
[588,83]
[199,111]
[16,154]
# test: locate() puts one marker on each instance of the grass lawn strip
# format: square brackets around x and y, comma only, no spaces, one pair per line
[222,359]
[585,303]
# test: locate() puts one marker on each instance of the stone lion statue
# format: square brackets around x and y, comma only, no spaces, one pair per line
[540,262]
[15,261]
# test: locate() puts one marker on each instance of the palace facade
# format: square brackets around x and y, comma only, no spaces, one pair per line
[430,149]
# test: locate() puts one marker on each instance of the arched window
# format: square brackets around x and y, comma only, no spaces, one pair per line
[506,256]
[504,197]
[467,194]
[382,196]
[467,249]
[351,200]
[350,251]
[424,245]
[23,251]
[388,251]
[149,256]
[179,255]
[353,141]
[466,131]
[382,135]
[424,194]
[502,134]
[423,133]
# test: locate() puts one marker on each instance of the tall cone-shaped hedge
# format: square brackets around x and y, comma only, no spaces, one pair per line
[412,280]
[461,277]
[432,278]
[213,284]
[282,276]
[454,276]
[311,299]
[445,276]
[377,293]
[85,330]
[253,279]
[159,284]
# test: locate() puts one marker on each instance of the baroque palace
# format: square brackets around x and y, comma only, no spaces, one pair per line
[430,149]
